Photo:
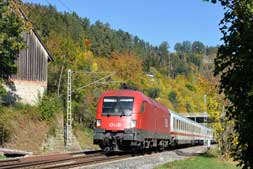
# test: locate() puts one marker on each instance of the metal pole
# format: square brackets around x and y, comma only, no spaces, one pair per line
[205,113]
[59,82]
[205,117]
[2,134]
[68,137]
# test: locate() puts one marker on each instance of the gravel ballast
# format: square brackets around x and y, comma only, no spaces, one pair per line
[150,160]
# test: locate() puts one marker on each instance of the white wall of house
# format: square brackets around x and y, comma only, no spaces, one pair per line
[27,92]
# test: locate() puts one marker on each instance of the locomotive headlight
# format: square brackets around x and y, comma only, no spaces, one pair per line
[133,124]
[98,123]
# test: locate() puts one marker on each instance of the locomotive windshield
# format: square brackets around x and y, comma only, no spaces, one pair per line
[121,106]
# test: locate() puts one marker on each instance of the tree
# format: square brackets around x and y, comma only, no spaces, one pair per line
[164,53]
[172,96]
[184,47]
[234,65]
[164,57]
[10,39]
[153,92]
[198,47]
[178,47]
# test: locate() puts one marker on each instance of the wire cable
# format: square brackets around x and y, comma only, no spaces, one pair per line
[65,6]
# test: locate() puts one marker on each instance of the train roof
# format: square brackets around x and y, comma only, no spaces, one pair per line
[177,114]
[123,92]
[134,93]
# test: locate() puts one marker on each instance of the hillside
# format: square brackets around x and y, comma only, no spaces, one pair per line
[177,79]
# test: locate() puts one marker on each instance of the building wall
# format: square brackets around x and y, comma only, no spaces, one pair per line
[30,81]
[28,92]
[33,60]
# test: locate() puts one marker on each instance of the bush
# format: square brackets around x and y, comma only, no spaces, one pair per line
[190,87]
[172,96]
[48,106]
[5,133]
[3,92]
[153,92]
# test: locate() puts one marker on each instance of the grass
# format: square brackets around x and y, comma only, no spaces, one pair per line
[23,128]
[85,137]
[208,160]
[2,157]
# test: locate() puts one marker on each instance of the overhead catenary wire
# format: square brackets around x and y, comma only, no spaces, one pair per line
[24,15]
[88,72]
[62,3]
[65,6]
[49,3]
[96,81]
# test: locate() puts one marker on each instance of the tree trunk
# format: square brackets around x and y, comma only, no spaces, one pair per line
[250,151]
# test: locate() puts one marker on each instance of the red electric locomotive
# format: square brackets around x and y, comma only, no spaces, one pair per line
[129,120]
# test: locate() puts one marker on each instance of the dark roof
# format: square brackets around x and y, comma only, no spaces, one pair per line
[44,46]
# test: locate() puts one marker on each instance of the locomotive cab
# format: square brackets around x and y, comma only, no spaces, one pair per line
[115,108]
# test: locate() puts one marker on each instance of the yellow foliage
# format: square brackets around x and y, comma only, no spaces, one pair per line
[94,67]
[127,66]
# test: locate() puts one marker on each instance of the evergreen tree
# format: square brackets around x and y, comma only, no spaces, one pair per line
[198,47]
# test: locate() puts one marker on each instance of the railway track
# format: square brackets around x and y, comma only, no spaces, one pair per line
[67,160]
[88,161]
[50,160]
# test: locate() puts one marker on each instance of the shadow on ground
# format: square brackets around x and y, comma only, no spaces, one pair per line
[205,154]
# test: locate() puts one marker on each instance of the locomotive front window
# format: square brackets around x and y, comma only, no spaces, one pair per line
[122,106]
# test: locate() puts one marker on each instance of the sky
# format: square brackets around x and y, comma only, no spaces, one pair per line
[154,21]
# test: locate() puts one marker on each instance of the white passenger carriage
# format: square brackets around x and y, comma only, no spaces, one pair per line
[187,131]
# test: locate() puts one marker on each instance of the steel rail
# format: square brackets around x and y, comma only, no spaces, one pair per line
[38,162]
[84,161]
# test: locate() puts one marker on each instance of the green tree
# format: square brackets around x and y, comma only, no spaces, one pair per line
[172,96]
[198,47]
[234,64]
[164,57]
[153,92]
[184,47]
[178,47]
[10,39]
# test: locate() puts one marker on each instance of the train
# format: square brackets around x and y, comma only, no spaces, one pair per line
[128,120]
